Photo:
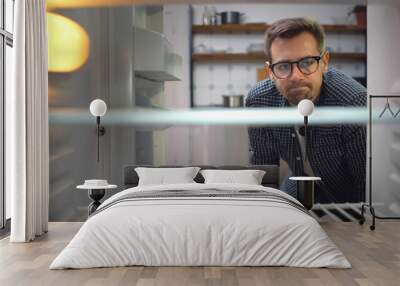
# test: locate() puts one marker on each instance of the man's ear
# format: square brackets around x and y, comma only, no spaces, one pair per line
[325,61]
[269,72]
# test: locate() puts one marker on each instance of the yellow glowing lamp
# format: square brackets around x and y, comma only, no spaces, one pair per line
[65,4]
[68,44]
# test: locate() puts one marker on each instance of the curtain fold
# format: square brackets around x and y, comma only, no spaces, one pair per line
[27,141]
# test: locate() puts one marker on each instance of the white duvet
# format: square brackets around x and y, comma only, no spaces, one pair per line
[206,231]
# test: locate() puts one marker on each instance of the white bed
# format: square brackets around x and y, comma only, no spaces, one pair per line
[206,230]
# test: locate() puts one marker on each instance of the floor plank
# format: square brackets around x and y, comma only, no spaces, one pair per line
[374,255]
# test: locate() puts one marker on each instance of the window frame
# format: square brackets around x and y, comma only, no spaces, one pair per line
[6,39]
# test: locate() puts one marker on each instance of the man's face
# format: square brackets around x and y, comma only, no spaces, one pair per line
[297,85]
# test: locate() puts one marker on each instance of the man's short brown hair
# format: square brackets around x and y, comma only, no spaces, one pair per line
[291,27]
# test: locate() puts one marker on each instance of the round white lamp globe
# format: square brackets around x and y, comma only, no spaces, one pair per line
[305,107]
[98,107]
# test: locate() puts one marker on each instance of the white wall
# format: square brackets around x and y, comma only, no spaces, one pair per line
[199,145]
[177,93]
[384,79]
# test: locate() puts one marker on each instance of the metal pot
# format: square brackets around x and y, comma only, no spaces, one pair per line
[231,17]
[233,100]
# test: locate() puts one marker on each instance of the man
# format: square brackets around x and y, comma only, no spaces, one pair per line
[297,64]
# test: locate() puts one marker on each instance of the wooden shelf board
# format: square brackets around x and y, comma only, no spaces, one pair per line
[261,27]
[229,28]
[219,57]
[349,56]
[345,29]
[228,57]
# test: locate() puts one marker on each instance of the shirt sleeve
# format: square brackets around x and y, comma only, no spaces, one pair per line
[263,147]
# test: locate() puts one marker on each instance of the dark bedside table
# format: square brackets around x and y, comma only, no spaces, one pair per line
[96,193]
[305,190]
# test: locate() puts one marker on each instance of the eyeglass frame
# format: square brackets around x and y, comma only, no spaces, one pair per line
[317,58]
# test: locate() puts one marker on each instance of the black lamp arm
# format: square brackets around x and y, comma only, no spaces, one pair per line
[100,131]
[305,138]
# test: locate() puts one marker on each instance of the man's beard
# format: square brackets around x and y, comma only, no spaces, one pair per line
[295,94]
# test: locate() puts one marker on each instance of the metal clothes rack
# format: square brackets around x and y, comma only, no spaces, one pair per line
[369,205]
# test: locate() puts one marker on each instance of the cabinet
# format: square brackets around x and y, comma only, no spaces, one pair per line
[259,57]
[154,57]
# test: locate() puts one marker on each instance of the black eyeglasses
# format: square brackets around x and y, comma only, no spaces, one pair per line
[307,66]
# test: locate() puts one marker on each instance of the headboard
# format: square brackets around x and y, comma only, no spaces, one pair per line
[270,179]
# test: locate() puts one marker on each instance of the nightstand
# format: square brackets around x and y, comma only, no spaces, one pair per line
[305,190]
[96,193]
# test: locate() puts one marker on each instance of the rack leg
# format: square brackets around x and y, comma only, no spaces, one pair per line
[371,209]
[362,219]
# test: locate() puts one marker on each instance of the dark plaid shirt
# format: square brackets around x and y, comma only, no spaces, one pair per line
[337,153]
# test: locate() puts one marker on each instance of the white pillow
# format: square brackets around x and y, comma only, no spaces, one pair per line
[248,177]
[163,176]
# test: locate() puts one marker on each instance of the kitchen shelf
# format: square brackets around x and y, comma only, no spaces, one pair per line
[223,57]
[261,28]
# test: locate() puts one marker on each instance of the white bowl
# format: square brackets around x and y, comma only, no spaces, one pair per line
[96,183]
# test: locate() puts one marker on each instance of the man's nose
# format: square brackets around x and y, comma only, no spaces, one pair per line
[296,73]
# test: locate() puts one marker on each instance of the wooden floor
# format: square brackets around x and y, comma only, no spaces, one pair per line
[374,255]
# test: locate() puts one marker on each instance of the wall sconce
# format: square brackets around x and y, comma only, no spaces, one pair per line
[305,108]
[98,108]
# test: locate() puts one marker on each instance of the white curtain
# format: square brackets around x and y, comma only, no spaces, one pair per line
[27,143]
